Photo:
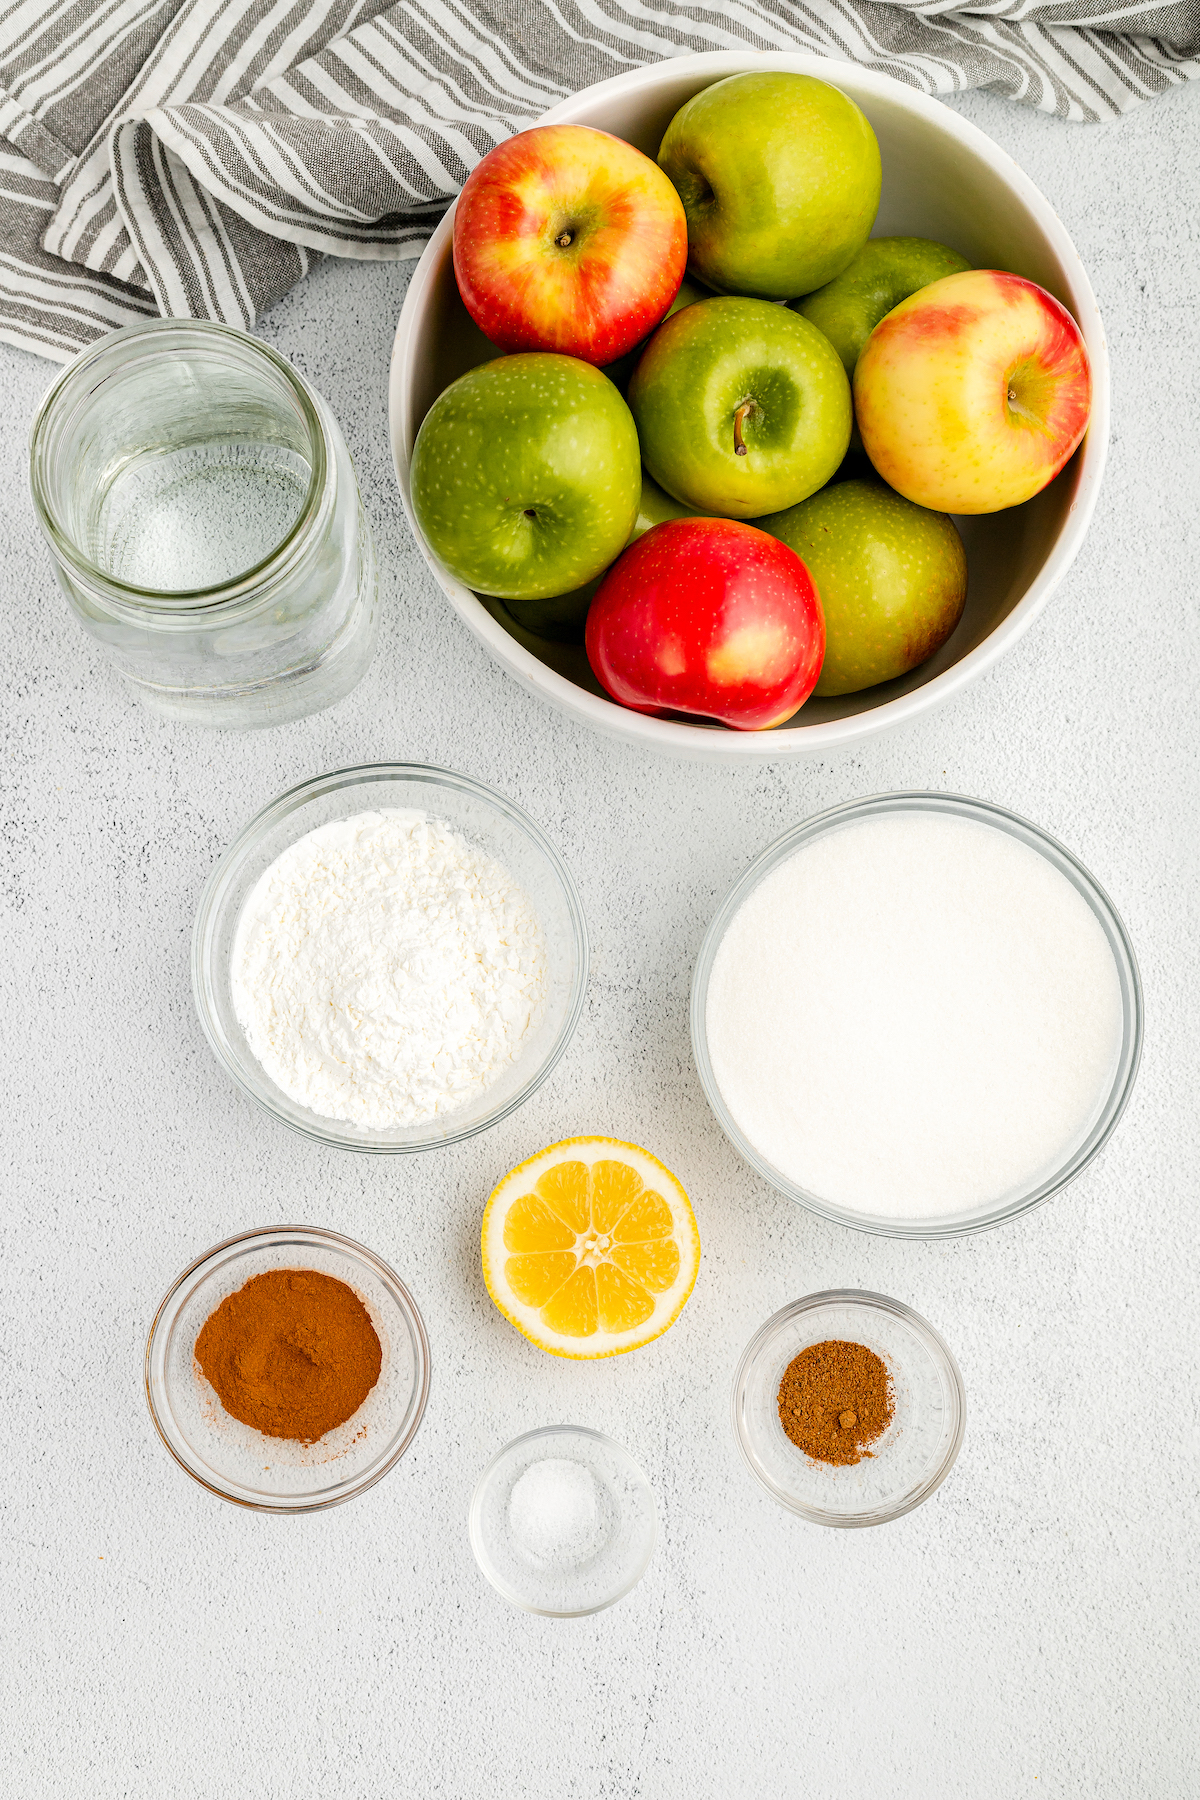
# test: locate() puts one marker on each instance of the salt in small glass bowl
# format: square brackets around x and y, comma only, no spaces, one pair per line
[627,1526]
[910,1459]
[485,819]
[1099,1128]
[280,1475]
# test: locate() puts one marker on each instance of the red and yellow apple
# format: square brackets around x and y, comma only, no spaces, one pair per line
[972,393]
[711,618]
[568,239]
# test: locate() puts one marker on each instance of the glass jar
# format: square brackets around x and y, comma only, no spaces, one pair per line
[205,524]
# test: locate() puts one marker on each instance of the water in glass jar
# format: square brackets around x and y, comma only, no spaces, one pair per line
[193,518]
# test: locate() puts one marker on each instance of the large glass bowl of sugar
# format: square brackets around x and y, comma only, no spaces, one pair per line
[917,1015]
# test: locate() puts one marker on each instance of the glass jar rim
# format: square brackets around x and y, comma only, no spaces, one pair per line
[218,594]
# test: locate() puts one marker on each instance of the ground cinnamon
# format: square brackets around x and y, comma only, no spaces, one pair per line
[293,1353]
[835,1399]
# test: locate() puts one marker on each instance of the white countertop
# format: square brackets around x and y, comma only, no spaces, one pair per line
[1027,1632]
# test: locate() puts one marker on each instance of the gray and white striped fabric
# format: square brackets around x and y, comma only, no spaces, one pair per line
[192,157]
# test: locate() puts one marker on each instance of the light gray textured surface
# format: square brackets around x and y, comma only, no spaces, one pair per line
[1027,1632]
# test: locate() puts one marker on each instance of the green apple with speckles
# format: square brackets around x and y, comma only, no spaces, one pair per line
[892,579]
[885,272]
[526,476]
[562,617]
[779,175]
[742,407]
[689,293]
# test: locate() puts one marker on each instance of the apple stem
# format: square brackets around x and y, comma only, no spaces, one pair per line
[1016,405]
[743,412]
[565,239]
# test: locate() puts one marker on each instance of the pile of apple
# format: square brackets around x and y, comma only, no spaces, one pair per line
[599,475]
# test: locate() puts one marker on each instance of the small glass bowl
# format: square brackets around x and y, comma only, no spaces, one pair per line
[240,1464]
[912,1457]
[482,816]
[1108,1112]
[612,1564]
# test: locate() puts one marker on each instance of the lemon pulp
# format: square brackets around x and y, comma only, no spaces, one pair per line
[590,1247]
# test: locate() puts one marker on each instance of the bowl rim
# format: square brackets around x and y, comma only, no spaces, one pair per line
[670,736]
[321,1237]
[943,1356]
[987,812]
[476,1507]
[225,872]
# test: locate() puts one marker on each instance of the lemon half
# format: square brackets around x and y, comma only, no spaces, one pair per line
[590,1248]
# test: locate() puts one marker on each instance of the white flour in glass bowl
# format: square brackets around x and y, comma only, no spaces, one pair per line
[385,970]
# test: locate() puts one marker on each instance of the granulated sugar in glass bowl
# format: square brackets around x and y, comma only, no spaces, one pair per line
[917,1014]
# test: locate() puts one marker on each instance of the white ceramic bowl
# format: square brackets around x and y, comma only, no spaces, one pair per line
[942,179]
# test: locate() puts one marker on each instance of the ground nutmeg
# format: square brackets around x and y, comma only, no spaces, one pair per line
[293,1353]
[834,1400]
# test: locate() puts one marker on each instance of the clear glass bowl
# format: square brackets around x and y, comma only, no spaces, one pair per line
[1104,1121]
[486,819]
[276,1474]
[912,1457]
[603,1567]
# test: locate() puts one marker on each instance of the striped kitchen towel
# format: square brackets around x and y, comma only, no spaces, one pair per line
[192,157]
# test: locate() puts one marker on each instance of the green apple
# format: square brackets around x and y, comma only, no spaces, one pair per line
[655,508]
[526,476]
[689,292]
[621,370]
[742,407]
[562,617]
[892,579]
[779,175]
[885,272]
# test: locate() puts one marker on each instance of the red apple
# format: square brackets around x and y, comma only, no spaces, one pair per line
[568,239]
[709,617]
[972,393]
